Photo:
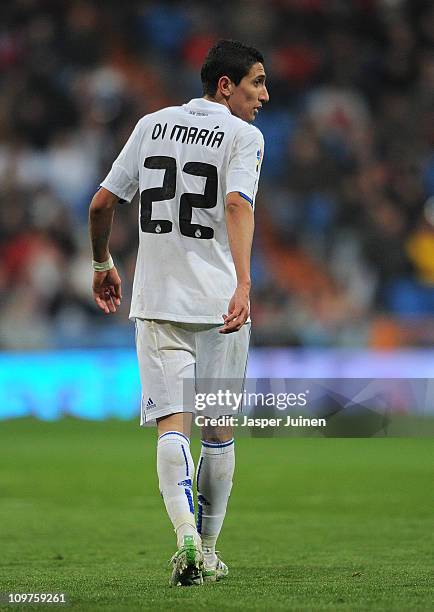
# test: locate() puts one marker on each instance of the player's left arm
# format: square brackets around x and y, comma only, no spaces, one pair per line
[240,226]
[241,185]
[106,286]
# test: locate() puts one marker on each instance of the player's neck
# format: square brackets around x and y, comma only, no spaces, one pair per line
[219,99]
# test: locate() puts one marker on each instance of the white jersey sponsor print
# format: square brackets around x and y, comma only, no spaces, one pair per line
[184,161]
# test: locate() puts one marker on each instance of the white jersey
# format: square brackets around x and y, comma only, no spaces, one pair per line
[185,160]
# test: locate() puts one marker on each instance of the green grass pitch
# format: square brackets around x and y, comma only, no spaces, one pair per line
[313,523]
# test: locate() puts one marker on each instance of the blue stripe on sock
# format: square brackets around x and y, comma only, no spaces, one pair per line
[200,507]
[199,519]
[176,433]
[198,473]
[185,457]
[190,500]
[217,444]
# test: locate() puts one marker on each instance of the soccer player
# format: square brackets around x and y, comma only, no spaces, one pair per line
[196,167]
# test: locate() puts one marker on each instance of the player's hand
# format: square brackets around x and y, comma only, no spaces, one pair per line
[107,291]
[238,311]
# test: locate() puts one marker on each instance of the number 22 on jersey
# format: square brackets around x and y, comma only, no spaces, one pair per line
[187,201]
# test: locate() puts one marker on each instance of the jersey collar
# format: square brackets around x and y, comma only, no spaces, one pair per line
[206,106]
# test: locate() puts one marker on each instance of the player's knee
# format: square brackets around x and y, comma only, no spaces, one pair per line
[179,422]
[217,435]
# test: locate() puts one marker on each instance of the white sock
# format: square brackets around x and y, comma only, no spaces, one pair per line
[175,470]
[214,483]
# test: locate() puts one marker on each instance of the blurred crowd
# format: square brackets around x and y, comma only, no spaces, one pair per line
[344,247]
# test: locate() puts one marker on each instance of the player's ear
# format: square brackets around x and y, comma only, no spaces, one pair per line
[225,85]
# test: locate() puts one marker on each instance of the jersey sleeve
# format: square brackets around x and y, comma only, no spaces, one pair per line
[245,163]
[123,178]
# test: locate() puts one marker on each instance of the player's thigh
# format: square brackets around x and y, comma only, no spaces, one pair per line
[222,355]
[221,363]
[166,356]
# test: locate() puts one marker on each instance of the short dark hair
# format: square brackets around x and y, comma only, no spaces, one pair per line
[227,58]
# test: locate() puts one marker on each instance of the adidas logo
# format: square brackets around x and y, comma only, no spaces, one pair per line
[201,499]
[150,404]
[186,483]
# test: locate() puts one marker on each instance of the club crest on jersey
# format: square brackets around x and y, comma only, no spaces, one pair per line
[258,159]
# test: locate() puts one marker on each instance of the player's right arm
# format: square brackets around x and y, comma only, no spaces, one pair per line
[121,183]
[106,285]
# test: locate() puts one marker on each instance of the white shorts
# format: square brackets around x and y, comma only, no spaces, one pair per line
[174,356]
